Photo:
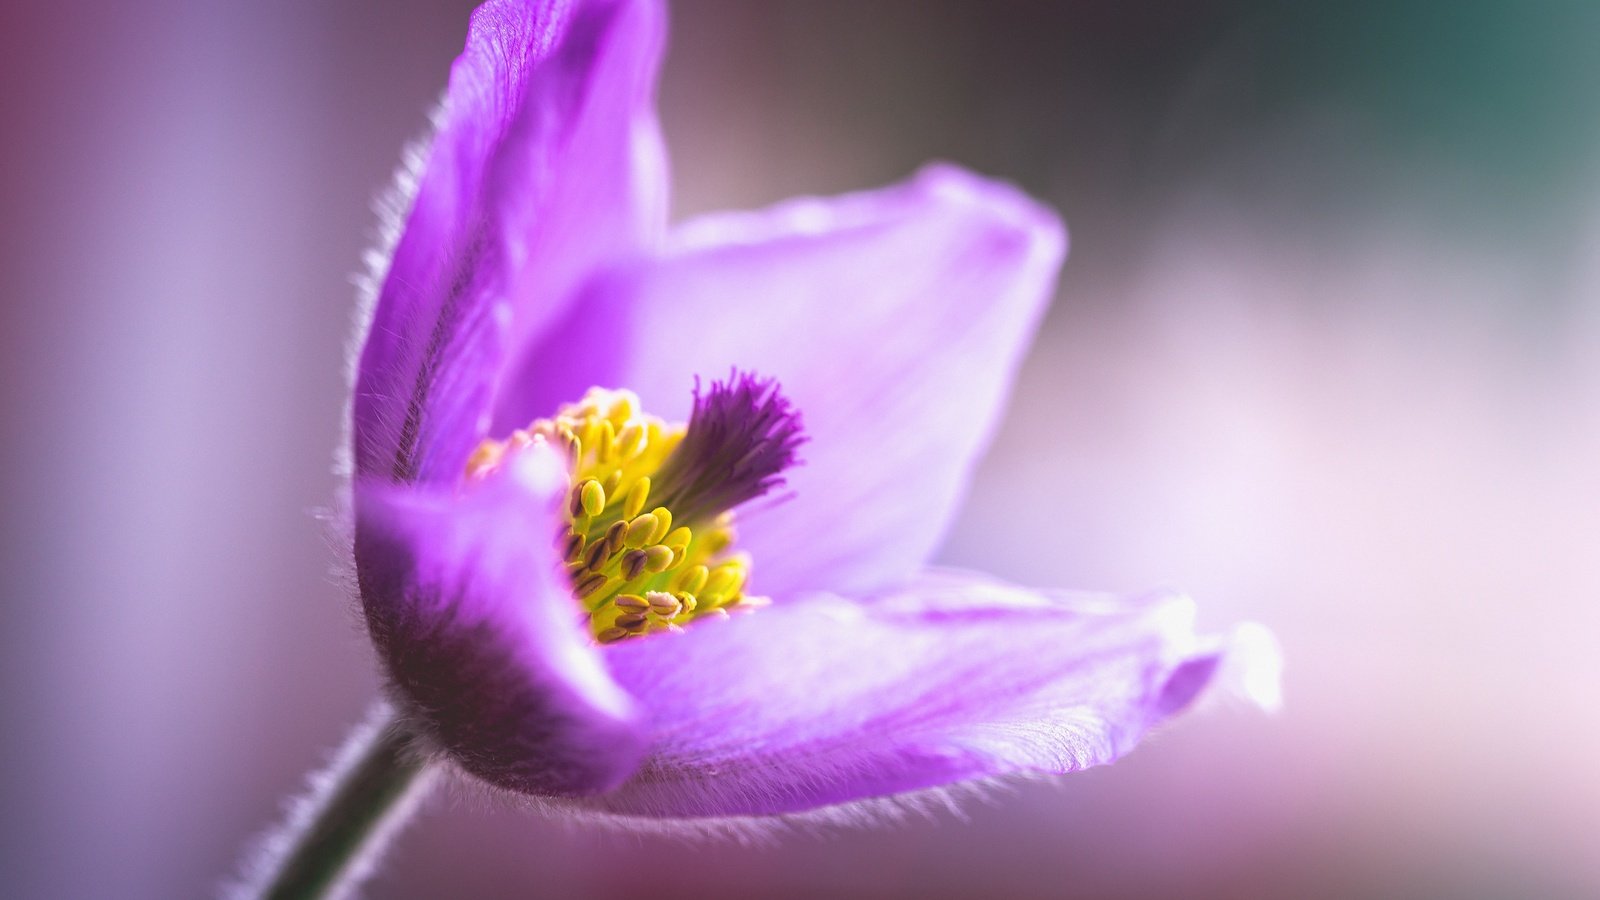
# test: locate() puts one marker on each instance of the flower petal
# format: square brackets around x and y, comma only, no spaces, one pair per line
[547,159]
[951,678]
[892,319]
[476,626]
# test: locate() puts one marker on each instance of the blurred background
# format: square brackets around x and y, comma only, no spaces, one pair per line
[1324,355]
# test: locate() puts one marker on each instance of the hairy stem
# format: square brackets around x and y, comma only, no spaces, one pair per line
[334,836]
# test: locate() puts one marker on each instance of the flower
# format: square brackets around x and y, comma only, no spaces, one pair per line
[558,630]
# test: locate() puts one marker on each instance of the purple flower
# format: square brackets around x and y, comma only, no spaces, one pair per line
[564,598]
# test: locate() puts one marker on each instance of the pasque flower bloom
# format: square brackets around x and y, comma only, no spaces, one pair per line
[548,571]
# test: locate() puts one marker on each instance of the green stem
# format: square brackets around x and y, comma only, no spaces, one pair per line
[334,836]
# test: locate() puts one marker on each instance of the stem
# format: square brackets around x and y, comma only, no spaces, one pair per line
[334,836]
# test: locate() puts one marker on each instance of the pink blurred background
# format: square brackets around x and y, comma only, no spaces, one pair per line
[1324,356]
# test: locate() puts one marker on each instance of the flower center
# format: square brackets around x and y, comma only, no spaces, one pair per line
[649,532]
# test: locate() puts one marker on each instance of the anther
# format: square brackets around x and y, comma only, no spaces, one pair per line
[598,553]
[693,580]
[590,585]
[678,538]
[717,541]
[641,530]
[631,603]
[633,563]
[636,497]
[663,604]
[593,497]
[572,550]
[724,580]
[663,524]
[624,406]
[630,441]
[614,537]
[658,558]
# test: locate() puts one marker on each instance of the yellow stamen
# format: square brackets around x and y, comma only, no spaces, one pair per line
[658,558]
[630,441]
[679,538]
[631,603]
[663,524]
[636,497]
[573,547]
[633,564]
[693,580]
[590,585]
[634,572]
[663,604]
[641,530]
[593,497]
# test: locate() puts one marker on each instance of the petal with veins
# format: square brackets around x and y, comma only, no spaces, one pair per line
[950,678]
[547,160]
[893,320]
